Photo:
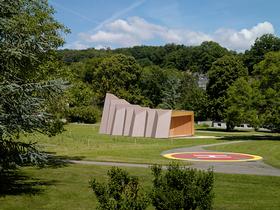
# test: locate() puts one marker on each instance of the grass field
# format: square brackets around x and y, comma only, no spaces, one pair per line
[68,188]
[83,142]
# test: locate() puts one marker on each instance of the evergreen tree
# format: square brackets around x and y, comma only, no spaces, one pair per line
[29,36]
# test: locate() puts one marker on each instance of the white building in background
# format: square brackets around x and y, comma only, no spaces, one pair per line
[239,127]
[202,81]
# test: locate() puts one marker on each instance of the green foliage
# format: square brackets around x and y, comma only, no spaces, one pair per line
[152,82]
[83,71]
[29,38]
[222,74]
[256,101]
[148,75]
[267,73]
[13,154]
[182,188]
[179,58]
[122,192]
[193,97]
[197,59]
[157,84]
[23,110]
[243,101]
[160,86]
[118,74]
[83,114]
[204,55]
[262,45]
[71,56]
[149,54]
[80,94]
[171,93]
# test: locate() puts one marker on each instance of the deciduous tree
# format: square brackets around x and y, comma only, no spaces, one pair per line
[118,74]
[262,45]
[242,104]
[221,76]
[193,97]
[267,72]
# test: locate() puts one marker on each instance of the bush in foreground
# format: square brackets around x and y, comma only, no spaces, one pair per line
[122,192]
[182,188]
[179,188]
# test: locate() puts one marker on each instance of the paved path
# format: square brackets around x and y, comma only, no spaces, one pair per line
[100,163]
[250,167]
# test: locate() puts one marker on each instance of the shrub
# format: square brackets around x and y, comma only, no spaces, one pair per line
[121,192]
[84,114]
[182,188]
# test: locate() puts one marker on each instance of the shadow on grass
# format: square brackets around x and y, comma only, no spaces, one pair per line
[57,161]
[16,183]
[251,137]
[222,130]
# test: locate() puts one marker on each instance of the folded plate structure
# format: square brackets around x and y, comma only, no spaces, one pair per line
[122,118]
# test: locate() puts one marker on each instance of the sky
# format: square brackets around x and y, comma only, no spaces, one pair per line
[234,24]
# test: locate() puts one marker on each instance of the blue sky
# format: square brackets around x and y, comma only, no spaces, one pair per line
[234,24]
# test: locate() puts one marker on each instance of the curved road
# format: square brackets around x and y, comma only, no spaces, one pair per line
[249,167]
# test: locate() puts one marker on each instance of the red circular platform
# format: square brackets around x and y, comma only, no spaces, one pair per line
[213,156]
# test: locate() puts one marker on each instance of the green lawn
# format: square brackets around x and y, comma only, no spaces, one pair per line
[200,130]
[83,141]
[67,188]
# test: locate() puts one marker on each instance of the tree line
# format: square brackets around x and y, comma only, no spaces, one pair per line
[241,88]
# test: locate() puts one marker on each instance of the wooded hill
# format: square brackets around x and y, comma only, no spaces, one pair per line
[240,88]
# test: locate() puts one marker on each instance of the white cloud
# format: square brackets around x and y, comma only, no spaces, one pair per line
[243,39]
[107,38]
[194,38]
[137,31]
[99,47]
